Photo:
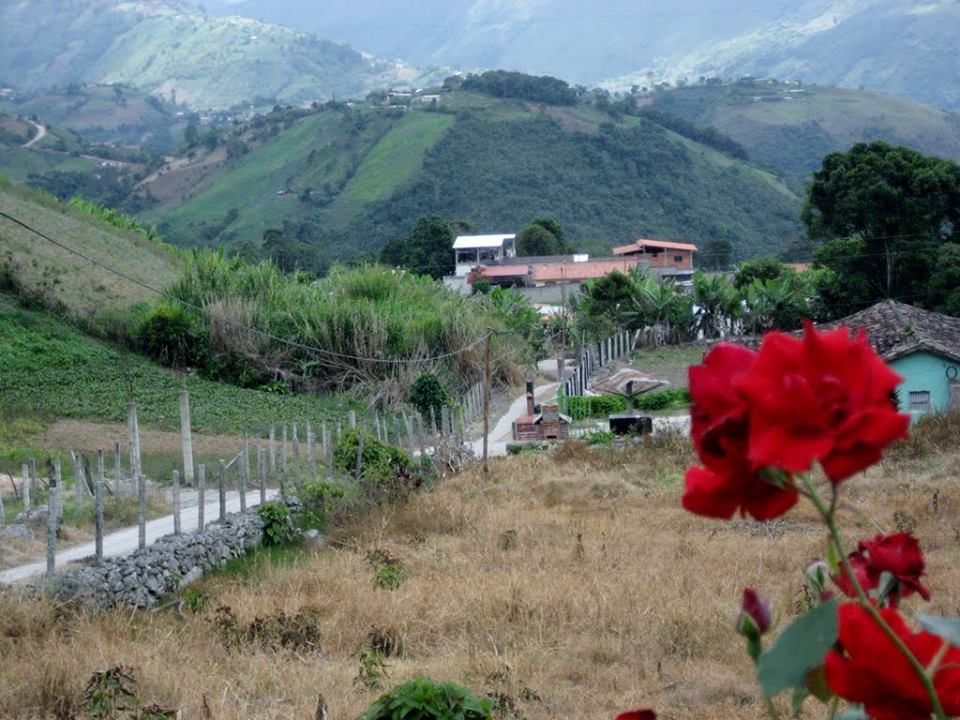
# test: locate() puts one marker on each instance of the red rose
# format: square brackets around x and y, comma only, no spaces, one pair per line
[826,398]
[757,609]
[898,554]
[720,431]
[637,715]
[869,669]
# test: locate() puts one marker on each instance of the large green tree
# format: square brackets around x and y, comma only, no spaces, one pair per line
[901,207]
[427,250]
[543,236]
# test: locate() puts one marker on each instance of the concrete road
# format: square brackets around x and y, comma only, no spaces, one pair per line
[41,134]
[127,540]
[502,432]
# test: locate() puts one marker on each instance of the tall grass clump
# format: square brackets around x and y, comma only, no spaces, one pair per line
[358,318]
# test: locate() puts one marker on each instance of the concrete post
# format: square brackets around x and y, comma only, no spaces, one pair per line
[52,515]
[78,482]
[186,438]
[3,516]
[273,451]
[133,430]
[296,443]
[27,482]
[262,469]
[352,417]
[142,510]
[176,501]
[283,451]
[117,469]
[98,503]
[201,491]
[243,481]
[311,450]
[222,481]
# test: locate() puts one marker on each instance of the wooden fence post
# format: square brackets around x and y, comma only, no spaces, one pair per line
[186,438]
[98,489]
[142,510]
[273,451]
[201,491]
[222,480]
[262,468]
[25,469]
[117,469]
[176,502]
[52,516]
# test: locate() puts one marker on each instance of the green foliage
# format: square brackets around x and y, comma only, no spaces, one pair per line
[505,84]
[373,668]
[542,237]
[194,599]
[663,399]
[903,206]
[113,217]
[779,304]
[764,268]
[389,577]
[318,500]
[112,694]
[799,650]
[425,699]
[174,335]
[427,251]
[709,136]
[602,438]
[428,395]
[380,463]
[278,526]
[593,406]
[718,304]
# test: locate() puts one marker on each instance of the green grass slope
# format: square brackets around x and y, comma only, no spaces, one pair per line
[792,127]
[360,176]
[58,278]
[51,370]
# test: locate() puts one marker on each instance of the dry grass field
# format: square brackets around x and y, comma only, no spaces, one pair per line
[570,585]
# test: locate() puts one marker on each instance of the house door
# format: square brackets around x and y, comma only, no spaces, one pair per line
[955,394]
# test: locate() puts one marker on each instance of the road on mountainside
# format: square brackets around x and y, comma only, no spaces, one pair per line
[41,134]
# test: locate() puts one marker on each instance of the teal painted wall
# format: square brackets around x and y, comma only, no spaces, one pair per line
[924,371]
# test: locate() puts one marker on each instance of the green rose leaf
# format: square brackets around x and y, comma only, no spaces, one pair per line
[947,628]
[799,650]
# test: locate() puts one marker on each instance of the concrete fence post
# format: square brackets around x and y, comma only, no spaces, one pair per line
[296,443]
[201,491]
[78,481]
[142,510]
[352,418]
[186,438]
[98,504]
[262,470]
[133,430]
[25,470]
[273,451]
[243,482]
[176,501]
[421,442]
[311,450]
[117,469]
[52,517]
[283,450]
[3,515]
[358,469]
[222,482]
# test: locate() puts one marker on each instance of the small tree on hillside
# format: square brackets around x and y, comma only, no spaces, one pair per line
[426,251]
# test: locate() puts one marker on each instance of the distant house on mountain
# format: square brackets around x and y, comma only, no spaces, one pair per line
[921,346]
[666,258]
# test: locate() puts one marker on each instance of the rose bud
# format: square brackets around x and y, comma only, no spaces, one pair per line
[637,715]
[755,614]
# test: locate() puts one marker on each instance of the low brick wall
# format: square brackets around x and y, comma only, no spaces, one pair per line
[144,577]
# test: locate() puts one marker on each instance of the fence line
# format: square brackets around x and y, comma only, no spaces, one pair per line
[596,356]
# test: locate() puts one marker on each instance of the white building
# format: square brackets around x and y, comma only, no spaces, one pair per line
[471,250]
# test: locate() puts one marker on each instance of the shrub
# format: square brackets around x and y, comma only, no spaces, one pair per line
[663,399]
[277,524]
[581,407]
[174,336]
[428,394]
[425,699]
[380,463]
[318,499]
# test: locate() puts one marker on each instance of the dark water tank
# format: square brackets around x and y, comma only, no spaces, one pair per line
[631,424]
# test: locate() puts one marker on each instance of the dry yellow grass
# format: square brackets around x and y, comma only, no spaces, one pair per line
[572,583]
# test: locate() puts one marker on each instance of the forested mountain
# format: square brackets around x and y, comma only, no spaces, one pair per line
[172,49]
[901,47]
[348,179]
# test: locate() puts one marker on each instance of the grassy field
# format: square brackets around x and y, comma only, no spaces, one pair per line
[50,370]
[569,585]
[84,291]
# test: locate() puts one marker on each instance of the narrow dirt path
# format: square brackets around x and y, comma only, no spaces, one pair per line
[41,134]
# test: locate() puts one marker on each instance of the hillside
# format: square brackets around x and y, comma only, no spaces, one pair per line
[57,278]
[900,47]
[351,178]
[175,51]
[791,127]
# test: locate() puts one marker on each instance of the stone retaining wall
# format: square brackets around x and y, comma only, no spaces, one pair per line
[144,577]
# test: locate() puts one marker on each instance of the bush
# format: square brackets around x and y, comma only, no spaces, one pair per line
[428,394]
[380,463]
[174,336]
[598,406]
[277,524]
[663,399]
[425,699]
[318,499]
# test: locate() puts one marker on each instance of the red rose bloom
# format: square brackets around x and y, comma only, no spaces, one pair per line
[720,430]
[898,554]
[757,609]
[826,398]
[869,669]
[637,715]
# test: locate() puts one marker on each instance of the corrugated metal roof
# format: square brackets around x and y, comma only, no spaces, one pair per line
[577,272]
[476,242]
[639,245]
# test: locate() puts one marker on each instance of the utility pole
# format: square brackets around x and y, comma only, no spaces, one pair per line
[486,403]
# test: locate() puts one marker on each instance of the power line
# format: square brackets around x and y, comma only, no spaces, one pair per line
[256,331]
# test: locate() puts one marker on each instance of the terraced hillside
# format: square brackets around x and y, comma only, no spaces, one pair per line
[349,178]
[791,127]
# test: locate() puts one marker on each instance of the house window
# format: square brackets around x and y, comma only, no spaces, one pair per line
[678,258]
[920,401]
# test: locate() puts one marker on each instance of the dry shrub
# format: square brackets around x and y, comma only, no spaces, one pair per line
[933,434]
